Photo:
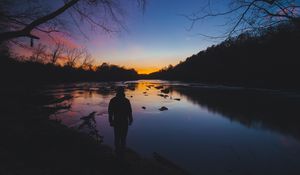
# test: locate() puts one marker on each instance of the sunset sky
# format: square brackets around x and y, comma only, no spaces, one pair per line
[153,39]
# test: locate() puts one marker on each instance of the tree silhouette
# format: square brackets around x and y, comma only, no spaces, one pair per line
[39,53]
[34,17]
[266,59]
[245,15]
[56,52]
[87,62]
[15,71]
[73,56]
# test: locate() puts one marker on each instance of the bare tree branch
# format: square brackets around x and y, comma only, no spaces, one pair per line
[23,24]
[26,31]
[56,52]
[39,53]
[73,56]
[87,61]
[255,14]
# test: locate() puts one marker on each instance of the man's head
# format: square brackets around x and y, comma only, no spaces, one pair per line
[120,92]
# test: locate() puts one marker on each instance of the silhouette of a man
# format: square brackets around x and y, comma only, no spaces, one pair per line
[120,116]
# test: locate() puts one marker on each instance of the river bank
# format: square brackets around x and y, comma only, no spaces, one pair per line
[33,144]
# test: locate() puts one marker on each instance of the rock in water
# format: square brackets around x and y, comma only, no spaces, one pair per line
[165,91]
[163,95]
[159,87]
[163,108]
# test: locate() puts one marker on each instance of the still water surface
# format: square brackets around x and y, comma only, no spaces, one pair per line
[206,129]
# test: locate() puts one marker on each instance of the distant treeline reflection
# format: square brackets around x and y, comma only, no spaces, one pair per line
[263,109]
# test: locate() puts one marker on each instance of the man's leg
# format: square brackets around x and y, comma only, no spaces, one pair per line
[123,137]
[117,138]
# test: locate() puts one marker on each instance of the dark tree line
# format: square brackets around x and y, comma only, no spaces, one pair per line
[268,58]
[28,72]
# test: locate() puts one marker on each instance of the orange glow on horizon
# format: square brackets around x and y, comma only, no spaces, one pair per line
[134,58]
[146,70]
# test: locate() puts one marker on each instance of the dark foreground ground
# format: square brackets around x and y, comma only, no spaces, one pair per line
[32,144]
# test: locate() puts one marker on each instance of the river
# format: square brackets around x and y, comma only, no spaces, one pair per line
[205,129]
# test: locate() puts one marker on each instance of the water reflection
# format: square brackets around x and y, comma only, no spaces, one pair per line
[205,129]
[273,110]
[89,123]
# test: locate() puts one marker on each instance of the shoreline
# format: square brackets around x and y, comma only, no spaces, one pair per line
[34,144]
